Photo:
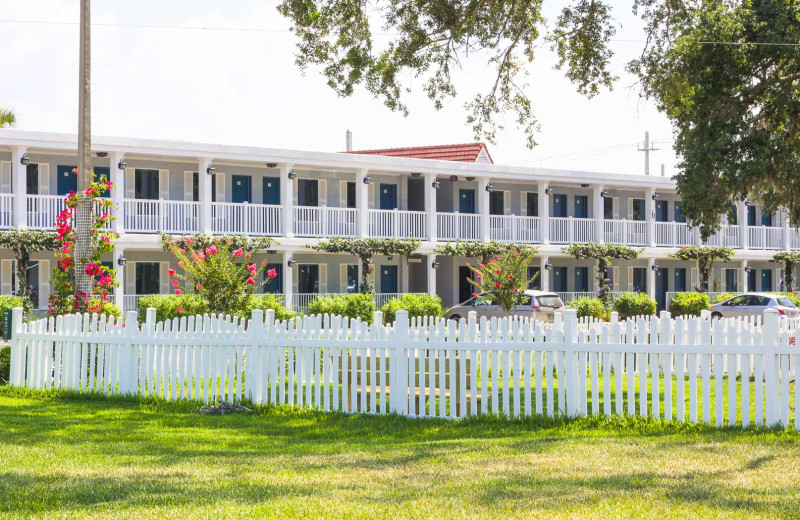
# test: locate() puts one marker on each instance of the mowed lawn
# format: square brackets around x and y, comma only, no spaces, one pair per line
[63,456]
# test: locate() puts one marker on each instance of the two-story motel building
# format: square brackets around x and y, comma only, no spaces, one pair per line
[436,194]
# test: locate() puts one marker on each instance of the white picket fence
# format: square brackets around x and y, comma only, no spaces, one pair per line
[738,372]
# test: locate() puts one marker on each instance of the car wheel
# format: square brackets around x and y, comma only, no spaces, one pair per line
[454,317]
[716,316]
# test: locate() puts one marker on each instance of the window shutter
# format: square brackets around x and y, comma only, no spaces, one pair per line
[44,179]
[630,279]
[44,283]
[130,279]
[343,278]
[372,195]
[371,278]
[615,207]
[323,192]
[188,186]
[6,269]
[523,203]
[163,184]
[506,202]
[294,277]
[629,216]
[694,281]
[5,177]
[323,278]
[615,279]
[220,185]
[295,186]
[130,183]
[342,194]
[163,277]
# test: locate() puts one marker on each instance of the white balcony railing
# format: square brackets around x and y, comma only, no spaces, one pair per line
[629,232]
[765,237]
[385,223]
[729,236]
[514,229]
[324,221]
[169,216]
[244,218]
[42,210]
[568,230]
[458,226]
[300,301]
[676,234]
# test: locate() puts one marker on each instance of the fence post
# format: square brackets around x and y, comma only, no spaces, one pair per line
[17,354]
[571,375]
[770,339]
[252,356]
[129,384]
[613,317]
[399,378]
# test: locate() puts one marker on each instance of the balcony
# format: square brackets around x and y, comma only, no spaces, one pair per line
[458,226]
[167,216]
[515,229]
[765,237]
[398,224]
[569,230]
[628,232]
[42,210]
[247,219]
[324,222]
[676,234]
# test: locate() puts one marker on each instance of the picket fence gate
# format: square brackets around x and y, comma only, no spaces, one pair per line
[721,372]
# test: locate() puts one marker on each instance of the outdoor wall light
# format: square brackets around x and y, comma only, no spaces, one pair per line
[489,187]
[367,179]
[122,164]
[436,184]
[603,193]
[548,266]
[121,260]
[291,263]
[748,269]
[210,169]
[654,196]
[748,202]
[548,190]
[25,160]
[292,174]
[435,264]
[655,267]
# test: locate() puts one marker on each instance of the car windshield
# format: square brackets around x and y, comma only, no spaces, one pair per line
[785,302]
[550,301]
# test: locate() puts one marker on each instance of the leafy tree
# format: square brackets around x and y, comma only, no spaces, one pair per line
[7,117]
[503,280]
[705,256]
[790,259]
[366,249]
[482,250]
[603,253]
[429,39]
[23,243]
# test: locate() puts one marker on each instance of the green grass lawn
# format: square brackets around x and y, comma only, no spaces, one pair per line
[64,456]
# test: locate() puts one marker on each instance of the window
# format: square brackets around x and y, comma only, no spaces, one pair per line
[195,187]
[148,277]
[351,194]
[738,301]
[274,285]
[766,218]
[352,278]
[307,192]
[308,279]
[550,301]
[731,279]
[638,210]
[732,217]
[608,208]
[32,180]
[639,279]
[536,274]
[146,184]
[532,202]
[496,203]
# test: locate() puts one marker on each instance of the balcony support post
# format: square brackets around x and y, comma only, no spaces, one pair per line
[651,278]
[741,219]
[119,275]
[431,275]
[430,208]
[19,184]
[544,213]
[287,203]
[362,204]
[117,177]
[204,195]
[288,277]
[650,214]
[598,209]
[743,276]
[544,275]
[483,208]
[787,235]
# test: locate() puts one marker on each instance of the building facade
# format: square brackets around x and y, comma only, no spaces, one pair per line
[299,197]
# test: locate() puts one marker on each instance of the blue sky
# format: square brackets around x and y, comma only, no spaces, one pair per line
[240,87]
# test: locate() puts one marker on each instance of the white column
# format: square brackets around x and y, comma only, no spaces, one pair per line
[19,182]
[599,213]
[403,274]
[743,277]
[287,202]
[741,218]
[544,274]
[119,277]
[544,214]
[787,237]
[431,275]
[362,204]
[117,177]
[430,206]
[204,195]
[651,278]
[483,207]
[650,215]
[288,277]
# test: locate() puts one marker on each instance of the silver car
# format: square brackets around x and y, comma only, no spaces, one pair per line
[754,304]
[538,305]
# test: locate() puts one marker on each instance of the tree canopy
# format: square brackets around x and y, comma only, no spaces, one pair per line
[7,117]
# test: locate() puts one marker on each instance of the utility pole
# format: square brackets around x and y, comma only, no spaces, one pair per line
[83,213]
[647,148]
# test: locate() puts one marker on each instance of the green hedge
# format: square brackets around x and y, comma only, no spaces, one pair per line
[688,304]
[5,364]
[8,302]
[354,305]
[417,305]
[718,298]
[634,304]
[591,307]
[166,306]
[269,302]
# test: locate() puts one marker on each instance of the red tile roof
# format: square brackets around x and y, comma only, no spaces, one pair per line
[467,152]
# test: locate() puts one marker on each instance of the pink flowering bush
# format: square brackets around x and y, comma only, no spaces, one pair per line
[503,281]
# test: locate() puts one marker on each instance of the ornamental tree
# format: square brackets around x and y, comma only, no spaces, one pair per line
[705,256]
[603,253]
[65,297]
[366,249]
[222,273]
[503,281]
[789,259]
[200,241]
[482,250]
[23,243]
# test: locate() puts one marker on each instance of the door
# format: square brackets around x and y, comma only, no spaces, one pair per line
[559,205]
[389,279]
[608,208]
[766,219]
[465,289]
[308,192]
[388,198]
[272,190]
[731,282]
[640,279]
[146,184]
[751,215]
[67,181]
[637,210]
[766,280]
[581,279]
[751,280]
[560,279]
[581,206]
[662,286]
[680,279]
[308,279]
[242,189]
[661,211]
[532,204]
[677,212]
[148,278]
[274,285]
[466,201]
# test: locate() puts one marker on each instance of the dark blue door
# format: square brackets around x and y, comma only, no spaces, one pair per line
[103,171]
[559,205]
[661,211]
[242,188]
[581,206]
[751,215]
[751,280]
[766,219]
[465,288]
[272,190]
[67,181]
[662,286]
[560,279]
[389,279]
[388,196]
[581,279]
[678,212]
[274,285]
[766,280]
[680,279]
[466,201]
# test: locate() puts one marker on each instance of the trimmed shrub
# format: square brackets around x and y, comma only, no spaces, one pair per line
[688,304]
[591,307]
[269,301]
[417,305]
[722,297]
[167,305]
[355,305]
[5,364]
[634,304]
[8,302]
